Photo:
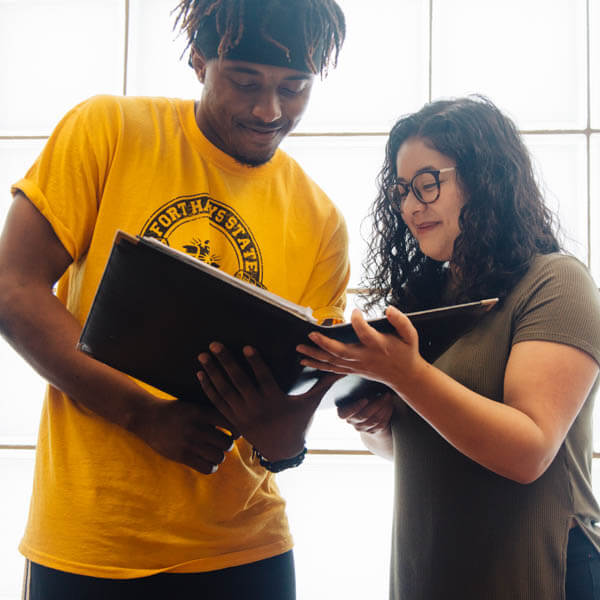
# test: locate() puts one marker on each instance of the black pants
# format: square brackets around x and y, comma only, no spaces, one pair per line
[583,568]
[270,579]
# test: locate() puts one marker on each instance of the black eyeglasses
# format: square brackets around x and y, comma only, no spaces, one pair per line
[425,186]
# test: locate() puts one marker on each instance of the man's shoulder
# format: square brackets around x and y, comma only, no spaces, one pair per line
[112,104]
[291,171]
[289,168]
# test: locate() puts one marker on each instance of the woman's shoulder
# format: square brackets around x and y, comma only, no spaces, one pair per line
[556,284]
[554,259]
[557,300]
[559,267]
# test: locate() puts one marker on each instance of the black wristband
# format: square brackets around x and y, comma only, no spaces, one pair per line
[280,465]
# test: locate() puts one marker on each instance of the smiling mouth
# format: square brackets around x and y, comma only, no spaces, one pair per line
[423,227]
[267,132]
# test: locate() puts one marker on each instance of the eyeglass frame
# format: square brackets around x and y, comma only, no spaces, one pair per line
[396,205]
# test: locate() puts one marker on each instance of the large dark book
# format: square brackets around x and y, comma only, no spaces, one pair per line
[156,309]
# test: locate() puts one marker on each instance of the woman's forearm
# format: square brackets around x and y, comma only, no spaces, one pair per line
[381,443]
[518,438]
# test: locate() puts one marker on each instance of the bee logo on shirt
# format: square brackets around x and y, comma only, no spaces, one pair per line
[210,231]
[200,249]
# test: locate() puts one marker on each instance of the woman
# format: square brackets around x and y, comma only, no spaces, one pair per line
[492,442]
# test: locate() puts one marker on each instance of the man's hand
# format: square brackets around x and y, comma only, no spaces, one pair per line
[185,432]
[273,422]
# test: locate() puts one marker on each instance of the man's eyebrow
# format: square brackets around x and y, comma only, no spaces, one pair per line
[250,71]
[246,70]
[298,77]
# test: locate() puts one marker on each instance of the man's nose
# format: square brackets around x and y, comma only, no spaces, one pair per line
[267,107]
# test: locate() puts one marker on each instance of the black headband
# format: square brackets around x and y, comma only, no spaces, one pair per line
[255,46]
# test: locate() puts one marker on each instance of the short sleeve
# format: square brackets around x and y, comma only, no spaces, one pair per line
[326,294]
[560,304]
[66,181]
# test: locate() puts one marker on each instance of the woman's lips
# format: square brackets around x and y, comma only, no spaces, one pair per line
[425,227]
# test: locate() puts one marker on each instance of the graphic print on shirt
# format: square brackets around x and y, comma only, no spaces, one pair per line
[210,231]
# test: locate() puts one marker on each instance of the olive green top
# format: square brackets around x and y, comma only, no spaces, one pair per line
[460,530]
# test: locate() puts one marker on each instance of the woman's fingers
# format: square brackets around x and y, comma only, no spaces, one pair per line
[326,356]
[401,323]
[365,333]
[347,411]
[332,347]
[369,415]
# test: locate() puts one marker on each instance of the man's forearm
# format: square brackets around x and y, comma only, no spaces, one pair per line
[41,330]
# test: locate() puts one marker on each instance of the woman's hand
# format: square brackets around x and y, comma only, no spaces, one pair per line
[372,419]
[273,422]
[545,385]
[388,358]
[369,415]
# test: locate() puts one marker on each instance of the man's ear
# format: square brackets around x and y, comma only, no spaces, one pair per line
[198,63]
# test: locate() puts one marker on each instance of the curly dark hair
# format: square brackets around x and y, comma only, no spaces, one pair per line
[320,22]
[503,224]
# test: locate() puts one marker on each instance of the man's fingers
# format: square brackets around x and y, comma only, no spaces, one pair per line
[208,450]
[230,366]
[204,451]
[322,385]
[206,381]
[211,415]
[201,465]
[218,439]
[210,454]
[213,371]
[263,375]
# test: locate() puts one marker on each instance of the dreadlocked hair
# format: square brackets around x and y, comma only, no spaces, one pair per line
[323,20]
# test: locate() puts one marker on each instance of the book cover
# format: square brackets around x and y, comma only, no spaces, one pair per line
[156,309]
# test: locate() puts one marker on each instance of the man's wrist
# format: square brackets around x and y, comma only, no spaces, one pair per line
[276,466]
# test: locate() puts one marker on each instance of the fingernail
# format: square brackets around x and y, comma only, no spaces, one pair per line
[215,347]
[204,358]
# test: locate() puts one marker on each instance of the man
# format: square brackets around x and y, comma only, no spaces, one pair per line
[137,495]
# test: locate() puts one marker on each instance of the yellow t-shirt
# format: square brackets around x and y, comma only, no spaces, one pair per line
[104,503]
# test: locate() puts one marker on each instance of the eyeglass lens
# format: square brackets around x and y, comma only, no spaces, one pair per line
[425,187]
